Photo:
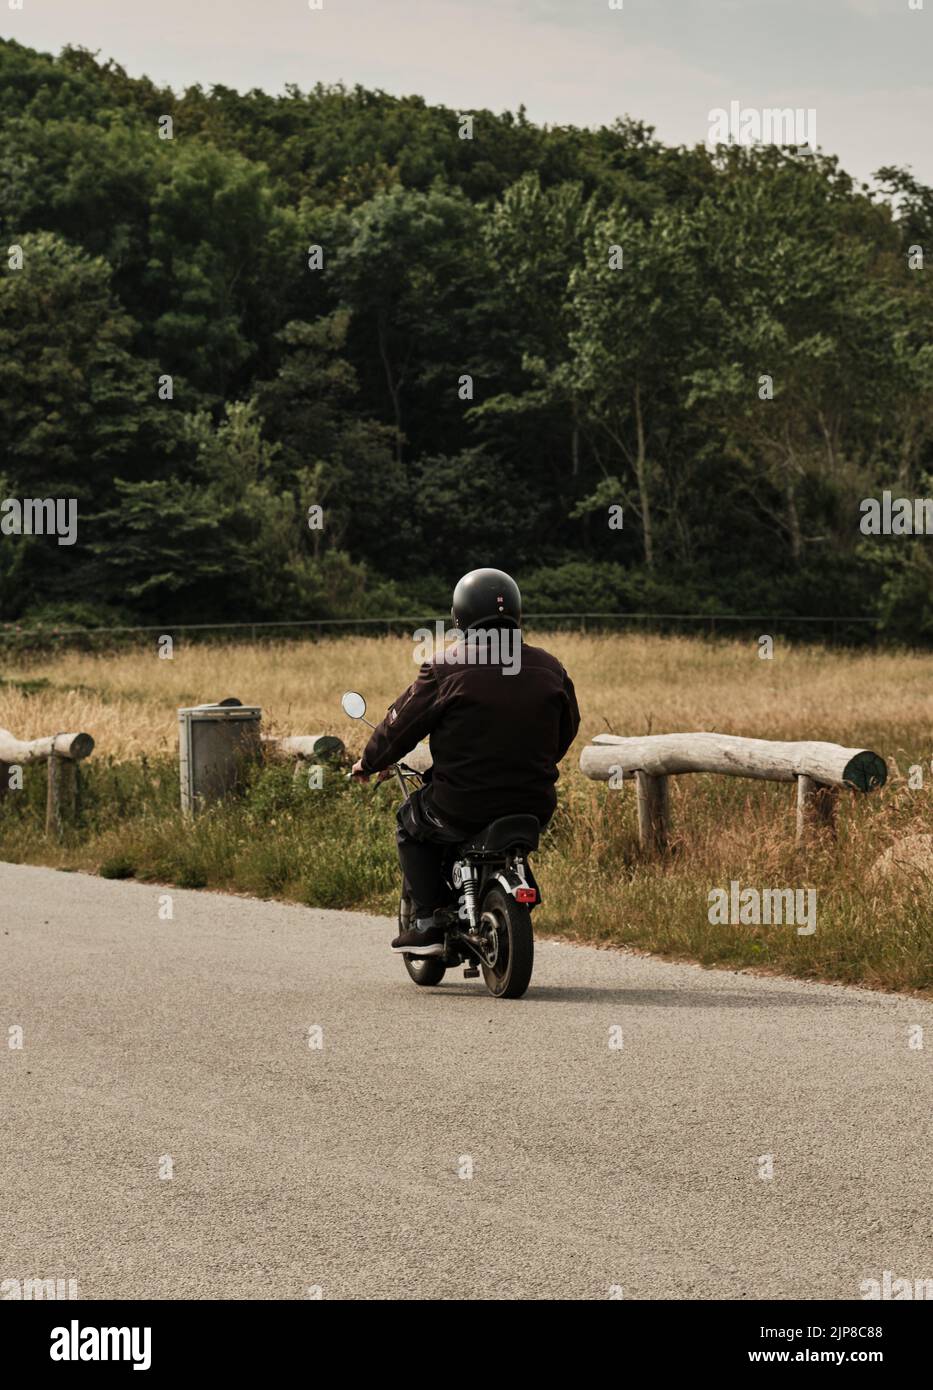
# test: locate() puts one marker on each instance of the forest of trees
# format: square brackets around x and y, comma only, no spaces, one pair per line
[615,303]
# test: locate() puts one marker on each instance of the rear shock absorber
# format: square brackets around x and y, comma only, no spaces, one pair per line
[467,885]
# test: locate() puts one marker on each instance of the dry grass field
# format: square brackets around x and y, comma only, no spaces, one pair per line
[334,846]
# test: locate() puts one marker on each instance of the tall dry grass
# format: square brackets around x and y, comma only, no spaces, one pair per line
[626,684]
[336,849]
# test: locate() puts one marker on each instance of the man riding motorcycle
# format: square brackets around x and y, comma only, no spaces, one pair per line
[498,728]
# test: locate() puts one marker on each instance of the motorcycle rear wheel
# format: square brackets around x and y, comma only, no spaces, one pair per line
[510,976]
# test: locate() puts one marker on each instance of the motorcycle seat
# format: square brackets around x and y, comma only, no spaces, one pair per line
[504,833]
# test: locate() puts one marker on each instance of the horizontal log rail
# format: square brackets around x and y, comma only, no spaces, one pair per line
[819,769]
[38,750]
[306,747]
[663,755]
[61,753]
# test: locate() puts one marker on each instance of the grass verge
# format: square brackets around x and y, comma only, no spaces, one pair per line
[333,846]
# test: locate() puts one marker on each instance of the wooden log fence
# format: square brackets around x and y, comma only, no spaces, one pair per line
[820,771]
[305,747]
[61,753]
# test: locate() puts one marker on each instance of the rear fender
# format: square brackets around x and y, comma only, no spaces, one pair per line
[510,881]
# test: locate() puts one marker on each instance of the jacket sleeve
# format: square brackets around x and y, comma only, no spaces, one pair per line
[569,719]
[410,719]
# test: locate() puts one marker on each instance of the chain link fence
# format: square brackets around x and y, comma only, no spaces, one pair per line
[848,631]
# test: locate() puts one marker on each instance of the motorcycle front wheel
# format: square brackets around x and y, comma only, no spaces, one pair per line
[507,925]
[424,970]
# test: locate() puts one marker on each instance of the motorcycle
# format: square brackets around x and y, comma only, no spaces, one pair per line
[491,880]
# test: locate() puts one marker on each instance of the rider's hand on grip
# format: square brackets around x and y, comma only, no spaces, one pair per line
[358,775]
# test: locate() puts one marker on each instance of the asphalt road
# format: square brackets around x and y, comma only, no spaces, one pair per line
[152,1045]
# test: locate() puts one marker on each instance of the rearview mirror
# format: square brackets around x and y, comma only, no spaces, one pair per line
[353,704]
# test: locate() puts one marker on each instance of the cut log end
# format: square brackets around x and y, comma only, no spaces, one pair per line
[81,746]
[865,771]
[329,746]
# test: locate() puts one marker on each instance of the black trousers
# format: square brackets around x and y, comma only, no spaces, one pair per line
[425,837]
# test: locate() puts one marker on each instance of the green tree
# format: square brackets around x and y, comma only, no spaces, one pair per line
[346,460]
[402,265]
[807,351]
[637,307]
[219,248]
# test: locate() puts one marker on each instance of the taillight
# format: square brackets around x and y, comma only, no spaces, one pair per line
[526,895]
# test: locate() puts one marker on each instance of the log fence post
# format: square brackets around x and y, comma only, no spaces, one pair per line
[653,808]
[817,807]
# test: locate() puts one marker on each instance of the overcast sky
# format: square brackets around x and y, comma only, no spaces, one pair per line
[863,65]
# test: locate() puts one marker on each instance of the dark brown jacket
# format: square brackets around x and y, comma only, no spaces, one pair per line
[496,739]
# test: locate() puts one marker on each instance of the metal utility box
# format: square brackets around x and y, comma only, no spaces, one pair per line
[214,744]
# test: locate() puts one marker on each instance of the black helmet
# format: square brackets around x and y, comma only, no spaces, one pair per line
[486,596]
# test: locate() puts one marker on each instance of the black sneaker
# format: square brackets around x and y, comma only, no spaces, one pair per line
[423,938]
